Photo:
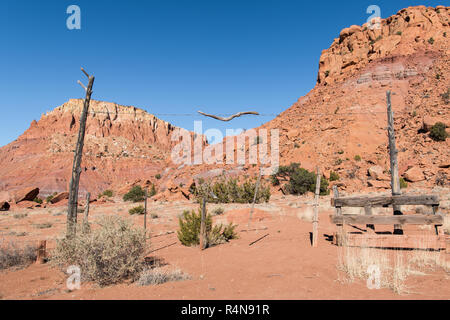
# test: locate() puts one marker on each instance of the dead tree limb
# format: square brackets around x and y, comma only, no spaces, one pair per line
[230,117]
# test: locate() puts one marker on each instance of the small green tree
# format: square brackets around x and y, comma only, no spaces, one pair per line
[438,133]
[298,180]
[136,194]
[108,193]
[334,176]
[189,232]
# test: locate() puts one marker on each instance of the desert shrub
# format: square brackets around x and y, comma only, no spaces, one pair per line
[137,210]
[158,176]
[438,133]
[152,191]
[157,276]
[403,183]
[357,157]
[109,254]
[20,215]
[44,225]
[431,41]
[230,191]
[299,180]
[446,96]
[189,232]
[108,193]
[218,211]
[38,200]
[49,198]
[441,179]
[136,194]
[334,176]
[13,256]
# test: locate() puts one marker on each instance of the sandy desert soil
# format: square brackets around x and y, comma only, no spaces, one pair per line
[283,265]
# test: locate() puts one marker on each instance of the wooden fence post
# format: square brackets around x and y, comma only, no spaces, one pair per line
[86,213]
[395,181]
[254,198]
[316,209]
[203,226]
[41,252]
[145,211]
[76,169]
[340,227]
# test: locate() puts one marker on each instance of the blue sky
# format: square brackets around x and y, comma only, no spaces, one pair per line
[169,56]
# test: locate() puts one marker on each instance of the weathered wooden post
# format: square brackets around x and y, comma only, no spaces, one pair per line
[395,181]
[41,252]
[254,198]
[86,213]
[76,170]
[203,225]
[340,227]
[316,209]
[145,210]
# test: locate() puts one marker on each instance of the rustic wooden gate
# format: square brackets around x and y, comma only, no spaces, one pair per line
[436,241]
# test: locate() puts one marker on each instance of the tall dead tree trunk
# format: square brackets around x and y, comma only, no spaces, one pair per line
[76,169]
[395,180]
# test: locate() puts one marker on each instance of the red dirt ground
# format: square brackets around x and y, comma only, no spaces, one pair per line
[283,265]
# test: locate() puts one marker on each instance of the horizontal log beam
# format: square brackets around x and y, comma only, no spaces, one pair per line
[386,200]
[417,219]
[434,242]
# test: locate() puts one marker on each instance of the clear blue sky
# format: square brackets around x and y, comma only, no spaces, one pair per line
[169,56]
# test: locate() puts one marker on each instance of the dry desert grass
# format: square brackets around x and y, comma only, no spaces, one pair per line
[388,268]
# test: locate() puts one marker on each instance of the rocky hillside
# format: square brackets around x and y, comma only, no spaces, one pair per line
[341,124]
[122,145]
[344,116]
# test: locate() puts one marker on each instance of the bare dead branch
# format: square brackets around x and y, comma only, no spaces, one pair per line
[81,84]
[87,75]
[231,117]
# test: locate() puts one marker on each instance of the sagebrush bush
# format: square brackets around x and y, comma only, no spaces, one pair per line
[438,133]
[298,180]
[136,194]
[108,193]
[157,276]
[137,210]
[13,256]
[334,176]
[446,96]
[189,232]
[403,183]
[230,191]
[109,254]
[218,211]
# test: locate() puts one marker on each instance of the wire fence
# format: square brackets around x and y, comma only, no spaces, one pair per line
[306,114]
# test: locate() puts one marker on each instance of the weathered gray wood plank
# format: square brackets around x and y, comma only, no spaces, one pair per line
[385,200]
[387,220]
